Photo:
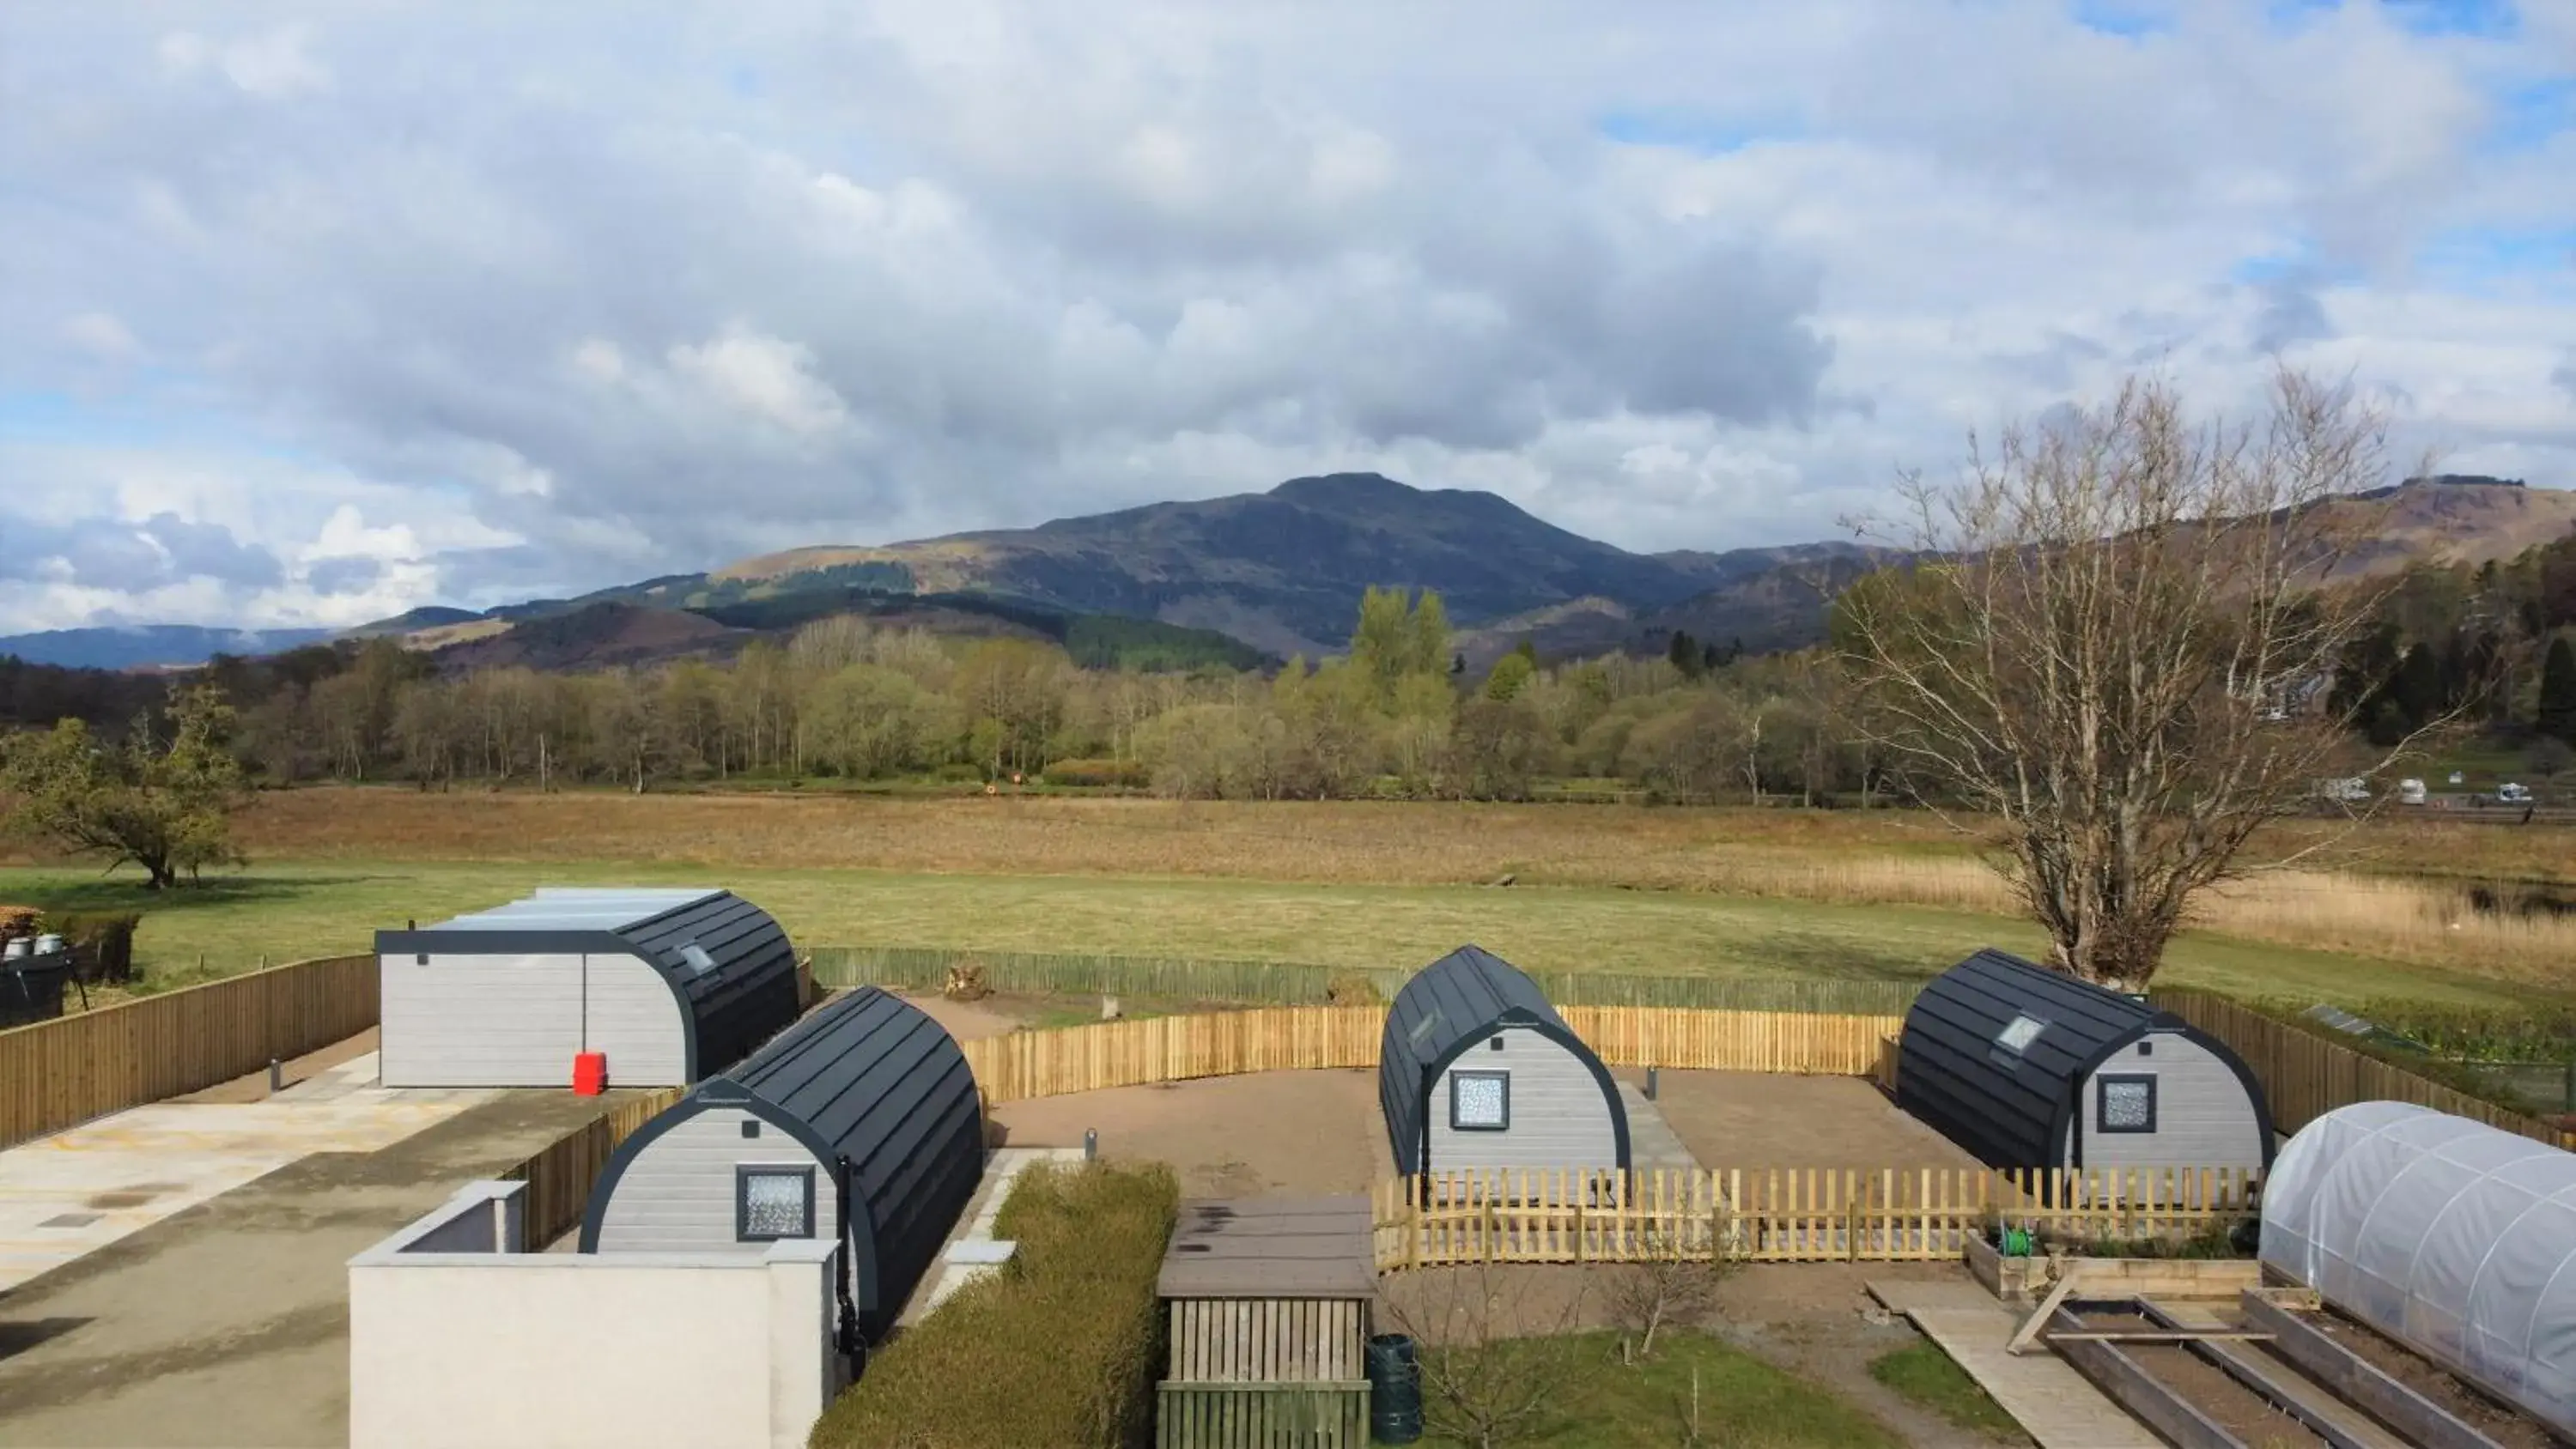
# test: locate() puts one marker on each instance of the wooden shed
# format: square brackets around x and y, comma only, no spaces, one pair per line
[1268,1301]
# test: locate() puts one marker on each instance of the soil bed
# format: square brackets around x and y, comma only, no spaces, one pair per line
[2504,1425]
[2206,1387]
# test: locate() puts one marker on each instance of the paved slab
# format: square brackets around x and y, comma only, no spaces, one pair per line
[1652,1142]
[2051,1401]
[226,1324]
[70,1194]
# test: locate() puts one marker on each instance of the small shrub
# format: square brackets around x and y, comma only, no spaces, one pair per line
[966,982]
[1059,1350]
[1350,988]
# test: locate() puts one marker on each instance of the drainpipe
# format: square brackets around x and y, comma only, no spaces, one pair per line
[846,1338]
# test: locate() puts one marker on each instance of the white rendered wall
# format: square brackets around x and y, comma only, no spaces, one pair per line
[573,1350]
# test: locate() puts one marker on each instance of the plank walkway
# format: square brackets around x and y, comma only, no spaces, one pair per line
[2276,1380]
[2051,1401]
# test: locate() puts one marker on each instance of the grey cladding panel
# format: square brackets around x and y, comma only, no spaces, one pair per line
[677,1195]
[1558,1116]
[479,1021]
[630,1014]
[2203,1117]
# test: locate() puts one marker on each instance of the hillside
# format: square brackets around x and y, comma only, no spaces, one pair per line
[1235,579]
[149,646]
[1281,570]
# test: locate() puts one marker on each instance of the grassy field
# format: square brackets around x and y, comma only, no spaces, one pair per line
[1741,1402]
[1755,893]
[1923,1373]
[293,909]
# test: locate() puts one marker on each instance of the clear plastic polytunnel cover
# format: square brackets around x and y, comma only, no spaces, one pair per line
[2450,1236]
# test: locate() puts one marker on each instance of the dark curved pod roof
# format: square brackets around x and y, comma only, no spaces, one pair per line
[744,991]
[1447,1007]
[869,1078]
[2012,1109]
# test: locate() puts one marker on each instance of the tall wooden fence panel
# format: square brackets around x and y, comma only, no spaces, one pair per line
[2305,1076]
[61,1073]
[1291,1038]
[561,1175]
[1794,1215]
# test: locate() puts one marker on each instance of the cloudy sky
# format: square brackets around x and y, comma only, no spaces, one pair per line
[310,313]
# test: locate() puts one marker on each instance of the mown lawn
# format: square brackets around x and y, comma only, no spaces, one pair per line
[1741,1402]
[1923,1373]
[285,910]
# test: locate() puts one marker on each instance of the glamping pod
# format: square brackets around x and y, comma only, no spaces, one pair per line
[669,985]
[861,1122]
[2452,1237]
[1476,1070]
[2031,1068]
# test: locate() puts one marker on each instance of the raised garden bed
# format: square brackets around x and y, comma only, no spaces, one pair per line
[2027,1280]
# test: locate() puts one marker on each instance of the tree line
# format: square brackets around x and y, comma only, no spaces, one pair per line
[847,699]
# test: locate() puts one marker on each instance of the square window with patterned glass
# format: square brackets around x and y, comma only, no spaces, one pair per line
[2128,1104]
[1480,1101]
[773,1202]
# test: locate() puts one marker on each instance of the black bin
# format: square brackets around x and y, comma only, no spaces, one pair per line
[1395,1390]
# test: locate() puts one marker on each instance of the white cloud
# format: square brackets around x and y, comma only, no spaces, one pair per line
[762,377]
[574,305]
[102,336]
[271,66]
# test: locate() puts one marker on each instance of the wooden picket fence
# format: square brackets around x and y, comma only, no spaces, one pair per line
[1793,1215]
[61,1073]
[561,1174]
[2305,1076]
[1027,1064]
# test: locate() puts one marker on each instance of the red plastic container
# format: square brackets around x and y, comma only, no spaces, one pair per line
[589,1074]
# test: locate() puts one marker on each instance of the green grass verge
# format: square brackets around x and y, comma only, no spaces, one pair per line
[1743,1403]
[1926,1375]
[1059,1350]
[285,910]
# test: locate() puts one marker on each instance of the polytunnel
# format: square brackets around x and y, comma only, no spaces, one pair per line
[2454,1238]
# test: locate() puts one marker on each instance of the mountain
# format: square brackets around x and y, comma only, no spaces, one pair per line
[149,646]
[1237,579]
[1281,570]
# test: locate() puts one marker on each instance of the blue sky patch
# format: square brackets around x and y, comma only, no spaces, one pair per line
[1686,130]
[2133,19]
[2476,259]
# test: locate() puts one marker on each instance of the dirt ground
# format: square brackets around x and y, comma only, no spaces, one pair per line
[1755,1119]
[1815,1320]
[254,1086]
[227,1324]
[1313,1132]
[1269,1132]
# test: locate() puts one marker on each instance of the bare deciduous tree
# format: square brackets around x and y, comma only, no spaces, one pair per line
[2117,641]
[1669,1281]
[1488,1339]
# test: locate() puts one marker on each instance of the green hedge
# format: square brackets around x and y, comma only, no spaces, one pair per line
[1058,1350]
[1278,983]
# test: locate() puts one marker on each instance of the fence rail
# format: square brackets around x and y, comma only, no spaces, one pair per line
[560,1175]
[1029,1064]
[1301,984]
[1795,1215]
[2305,1076]
[60,1073]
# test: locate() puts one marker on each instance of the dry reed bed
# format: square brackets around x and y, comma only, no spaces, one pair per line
[1328,841]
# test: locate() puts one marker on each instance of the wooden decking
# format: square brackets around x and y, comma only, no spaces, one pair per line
[2050,1400]
[1652,1143]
